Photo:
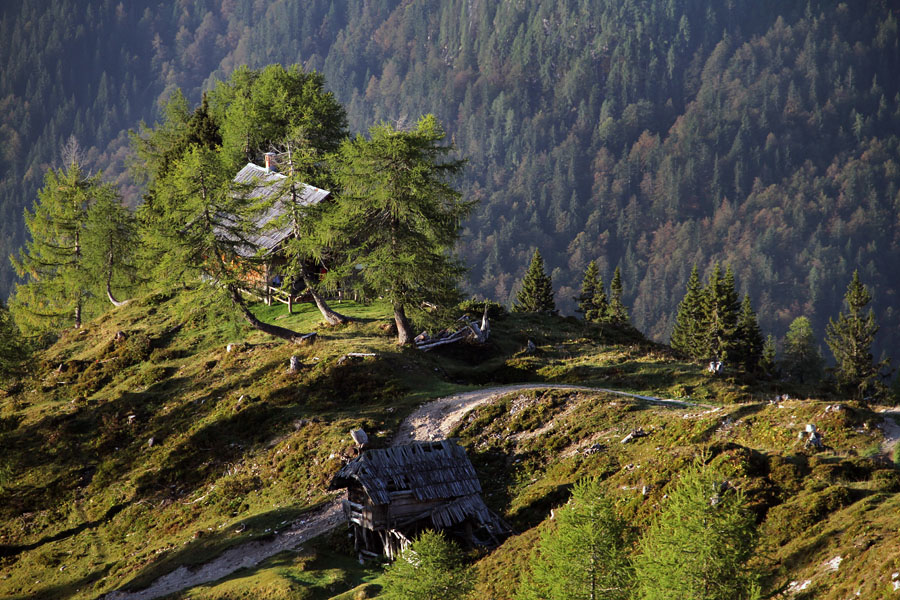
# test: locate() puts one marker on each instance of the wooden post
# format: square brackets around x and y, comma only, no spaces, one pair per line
[268,295]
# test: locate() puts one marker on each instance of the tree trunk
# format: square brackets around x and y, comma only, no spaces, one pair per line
[78,314]
[331,317]
[109,285]
[273,330]
[405,334]
[112,298]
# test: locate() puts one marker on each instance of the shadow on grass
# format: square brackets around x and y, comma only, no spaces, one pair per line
[324,575]
[209,546]
[740,413]
[532,514]
[12,550]
[63,590]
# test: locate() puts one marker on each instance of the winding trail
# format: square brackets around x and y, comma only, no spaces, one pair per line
[433,420]
[891,431]
[436,419]
[240,557]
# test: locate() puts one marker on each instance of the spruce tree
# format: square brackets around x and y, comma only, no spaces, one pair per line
[801,360]
[601,303]
[585,555]
[689,335]
[698,546]
[721,313]
[617,311]
[591,293]
[850,339]
[748,338]
[430,568]
[767,361]
[536,294]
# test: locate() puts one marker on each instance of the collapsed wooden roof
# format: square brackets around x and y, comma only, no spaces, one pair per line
[429,470]
[265,185]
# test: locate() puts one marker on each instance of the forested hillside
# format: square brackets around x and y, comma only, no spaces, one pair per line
[650,135]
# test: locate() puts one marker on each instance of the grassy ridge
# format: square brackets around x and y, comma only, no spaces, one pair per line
[240,448]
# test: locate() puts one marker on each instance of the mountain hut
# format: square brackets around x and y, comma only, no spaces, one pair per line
[395,493]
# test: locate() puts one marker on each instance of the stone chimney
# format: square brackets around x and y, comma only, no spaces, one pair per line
[270,161]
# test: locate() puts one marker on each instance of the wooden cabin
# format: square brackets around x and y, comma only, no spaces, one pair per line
[262,184]
[395,493]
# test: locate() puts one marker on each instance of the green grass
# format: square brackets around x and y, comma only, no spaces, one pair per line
[241,446]
[316,571]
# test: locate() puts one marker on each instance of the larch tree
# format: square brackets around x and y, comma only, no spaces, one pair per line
[157,151]
[698,546]
[112,242]
[536,293]
[430,568]
[396,219]
[801,360]
[585,556]
[850,339]
[299,161]
[259,108]
[767,360]
[13,349]
[57,282]
[208,227]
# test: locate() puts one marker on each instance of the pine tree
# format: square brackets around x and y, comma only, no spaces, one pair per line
[748,339]
[698,546]
[689,335]
[585,555]
[617,311]
[536,294]
[850,339]
[801,360]
[592,299]
[398,218]
[430,568]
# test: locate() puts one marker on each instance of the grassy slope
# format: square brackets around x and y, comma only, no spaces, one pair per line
[87,504]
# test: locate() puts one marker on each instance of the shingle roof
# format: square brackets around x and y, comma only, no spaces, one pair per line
[430,470]
[266,185]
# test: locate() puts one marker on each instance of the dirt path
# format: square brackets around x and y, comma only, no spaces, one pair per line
[891,431]
[240,557]
[433,420]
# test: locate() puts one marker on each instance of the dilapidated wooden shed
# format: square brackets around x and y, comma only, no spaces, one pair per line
[395,493]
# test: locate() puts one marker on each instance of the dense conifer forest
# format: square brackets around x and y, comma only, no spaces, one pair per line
[648,135]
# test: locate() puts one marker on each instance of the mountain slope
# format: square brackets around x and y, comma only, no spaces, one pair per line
[124,461]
